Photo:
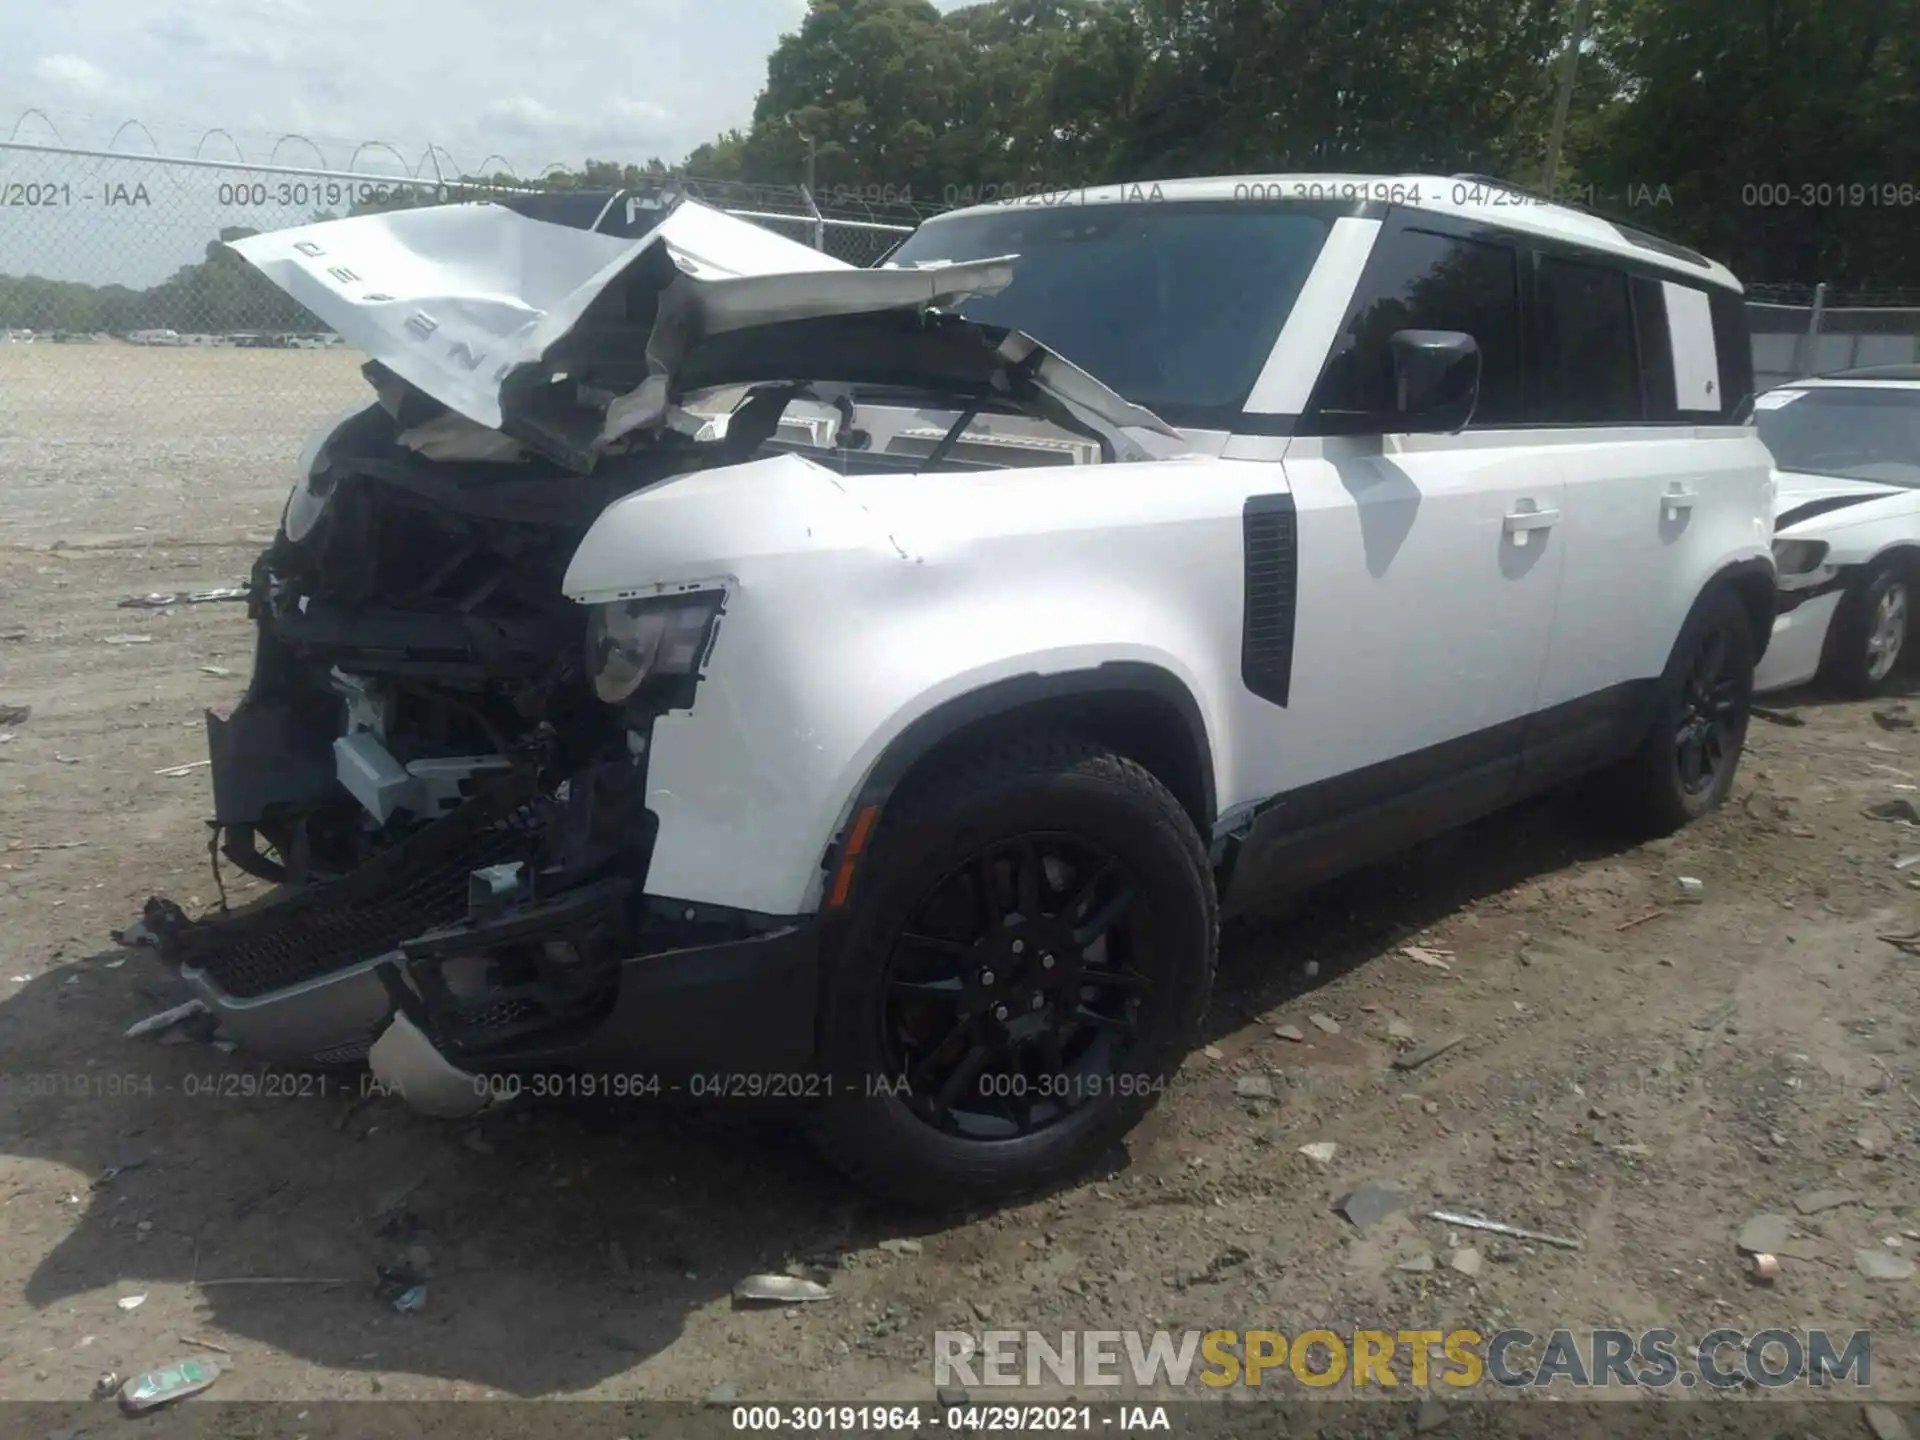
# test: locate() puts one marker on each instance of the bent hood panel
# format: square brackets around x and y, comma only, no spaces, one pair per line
[455,298]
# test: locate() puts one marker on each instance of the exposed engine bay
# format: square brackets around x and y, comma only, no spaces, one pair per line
[441,759]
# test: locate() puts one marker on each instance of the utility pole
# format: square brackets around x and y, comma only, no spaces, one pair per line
[1582,17]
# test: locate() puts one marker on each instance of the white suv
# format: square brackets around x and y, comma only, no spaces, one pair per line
[707,669]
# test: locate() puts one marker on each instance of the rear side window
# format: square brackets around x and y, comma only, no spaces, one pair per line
[1589,370]
[1418,280]
[1735,344]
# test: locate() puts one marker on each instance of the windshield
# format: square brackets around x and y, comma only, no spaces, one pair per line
[1857,432]
[1175,306]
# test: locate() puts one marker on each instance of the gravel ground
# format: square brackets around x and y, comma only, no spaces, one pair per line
[1641,1073]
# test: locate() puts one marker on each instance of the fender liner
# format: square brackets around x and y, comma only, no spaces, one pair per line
[1017,693]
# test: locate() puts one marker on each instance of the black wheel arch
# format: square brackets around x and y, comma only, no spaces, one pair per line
[1139,710]
[1756,583]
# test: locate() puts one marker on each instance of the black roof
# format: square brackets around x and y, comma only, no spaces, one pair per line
[1875,372]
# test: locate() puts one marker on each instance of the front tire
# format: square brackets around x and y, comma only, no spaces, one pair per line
[1684,767]
[1868,638]
[1031,949]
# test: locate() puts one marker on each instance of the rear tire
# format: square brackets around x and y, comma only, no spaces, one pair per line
[973,963]
[1867,642]
[1684,767]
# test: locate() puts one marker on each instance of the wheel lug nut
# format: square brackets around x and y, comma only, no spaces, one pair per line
[999,1012]
[1038,1001]
[1046,962]
[1019,947]
[986,977]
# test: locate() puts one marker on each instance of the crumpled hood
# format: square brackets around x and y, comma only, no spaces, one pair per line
[484,309]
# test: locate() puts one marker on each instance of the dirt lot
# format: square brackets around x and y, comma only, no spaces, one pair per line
[1646,1086]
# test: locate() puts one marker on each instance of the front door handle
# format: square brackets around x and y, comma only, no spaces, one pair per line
[1521,523]
[1678,499]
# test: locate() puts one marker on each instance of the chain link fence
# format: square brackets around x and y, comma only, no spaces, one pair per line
[1809,330]
[134,346]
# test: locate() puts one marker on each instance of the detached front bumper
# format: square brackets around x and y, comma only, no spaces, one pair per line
[1799,637]
[510,952]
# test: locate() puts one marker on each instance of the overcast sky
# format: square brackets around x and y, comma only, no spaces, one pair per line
[536,83]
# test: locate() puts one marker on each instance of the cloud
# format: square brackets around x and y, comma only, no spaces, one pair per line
[524,115]
[76,75]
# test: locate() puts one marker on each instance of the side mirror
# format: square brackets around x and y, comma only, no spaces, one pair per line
[1436,379]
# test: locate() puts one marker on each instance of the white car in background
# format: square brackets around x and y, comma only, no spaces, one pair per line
[1846,527]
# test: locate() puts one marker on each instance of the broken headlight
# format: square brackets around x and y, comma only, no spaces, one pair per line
[629,641]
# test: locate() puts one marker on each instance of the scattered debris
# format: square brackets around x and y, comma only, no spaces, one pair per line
[1429,956]
[198,1343]
[1909,942]
[13,634]
[1311,969]
[1320,1151]
[1414,1059]
[1813,1202]
[723,1394]
[1690,891]
[1906,862]
[1253,1087]
[1213,1052]
[1467,1261]
[54,845]
[64,759]
[131,1302]
[1764,1234]
[1884,1424]
[1875,1139]
[15,714]
[1290,1032]
[411,1300]
[220,670]
[1398,1029]
[128,640]
[1654,914]
[173,772]
[113,1172]
[779,1290]
[1717,1016]
[185,597]
[166,1019]
[106,1385]
[1326,1024]
[1495,1227]
[1879,1265]
[1776,717]
[1367,1206]
[1893,718]
[1419,1264]
[1902,812]
[901,1247]
[272,1280]
[1765,1268]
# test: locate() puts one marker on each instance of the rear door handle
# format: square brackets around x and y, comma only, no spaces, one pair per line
[1678,499]
[1521,522]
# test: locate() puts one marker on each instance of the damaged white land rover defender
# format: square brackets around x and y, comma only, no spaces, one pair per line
[707,661]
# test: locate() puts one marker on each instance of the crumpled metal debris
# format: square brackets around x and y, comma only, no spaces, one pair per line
[184,597]
[780,1290]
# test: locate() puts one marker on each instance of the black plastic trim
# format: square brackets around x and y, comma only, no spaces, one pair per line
[1018,692]
[1270,536]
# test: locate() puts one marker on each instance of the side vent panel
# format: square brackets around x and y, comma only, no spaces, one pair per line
[1270,536]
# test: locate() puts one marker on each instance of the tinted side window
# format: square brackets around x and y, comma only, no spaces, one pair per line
[1734,343]
[1417,280]
[1656,349]
[1588,366]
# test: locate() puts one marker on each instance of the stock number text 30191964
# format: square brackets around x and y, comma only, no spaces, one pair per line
[296,193]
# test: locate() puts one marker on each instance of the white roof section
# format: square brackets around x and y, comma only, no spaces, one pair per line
[1476,198]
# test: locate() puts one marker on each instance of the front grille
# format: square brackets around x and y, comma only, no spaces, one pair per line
[418,884]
